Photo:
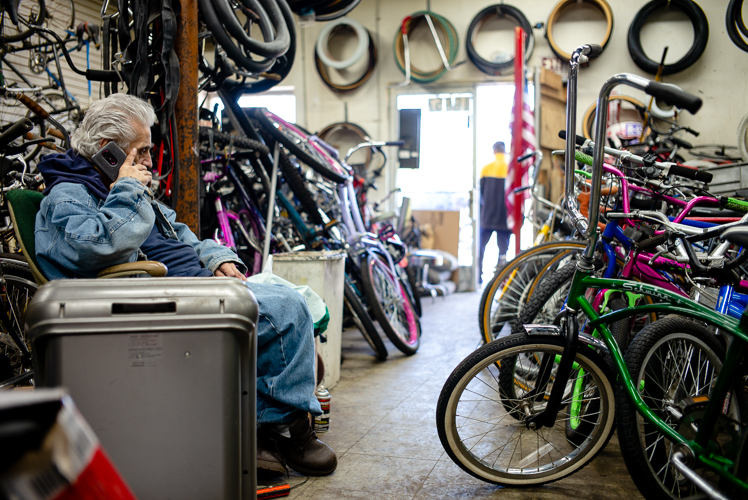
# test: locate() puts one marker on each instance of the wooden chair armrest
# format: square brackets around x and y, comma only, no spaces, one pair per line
[138,268]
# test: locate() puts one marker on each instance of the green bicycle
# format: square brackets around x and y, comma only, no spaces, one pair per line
[679,396]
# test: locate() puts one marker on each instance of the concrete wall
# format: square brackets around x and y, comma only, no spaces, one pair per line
[718,77]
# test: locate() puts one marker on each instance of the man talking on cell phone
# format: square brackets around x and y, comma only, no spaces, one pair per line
[89,221]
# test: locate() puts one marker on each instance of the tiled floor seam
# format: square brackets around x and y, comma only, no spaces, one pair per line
[426,479]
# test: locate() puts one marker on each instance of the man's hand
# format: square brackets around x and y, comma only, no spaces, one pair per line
[139,172]
[229,269]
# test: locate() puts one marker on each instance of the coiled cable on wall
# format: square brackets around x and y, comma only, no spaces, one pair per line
[700,36]
[409,24]
[497,11]
[735,26]
[562,6]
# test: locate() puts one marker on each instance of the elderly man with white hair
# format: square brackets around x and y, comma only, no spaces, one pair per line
[88,222]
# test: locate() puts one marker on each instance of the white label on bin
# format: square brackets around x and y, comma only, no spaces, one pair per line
[145,349]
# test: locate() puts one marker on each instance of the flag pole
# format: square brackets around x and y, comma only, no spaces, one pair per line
[517,125]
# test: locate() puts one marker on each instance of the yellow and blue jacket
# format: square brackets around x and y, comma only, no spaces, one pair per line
[492,196]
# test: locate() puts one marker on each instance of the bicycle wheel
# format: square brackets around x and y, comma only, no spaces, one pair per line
[390,305]
[673,362]
[363,321]
[297,141]
[30,12]
[17,290]
[508,291]
[60,18]
[481,425]
[298,185]
[410,275]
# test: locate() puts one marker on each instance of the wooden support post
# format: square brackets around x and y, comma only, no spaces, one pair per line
[187,205]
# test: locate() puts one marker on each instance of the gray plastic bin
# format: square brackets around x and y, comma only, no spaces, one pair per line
[164,370]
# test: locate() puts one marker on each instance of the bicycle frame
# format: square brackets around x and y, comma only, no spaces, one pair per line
[225,216]
[667,301]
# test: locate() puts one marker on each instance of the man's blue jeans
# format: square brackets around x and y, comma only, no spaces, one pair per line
[285,355]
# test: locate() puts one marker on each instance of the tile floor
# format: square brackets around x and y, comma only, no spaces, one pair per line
[383,431]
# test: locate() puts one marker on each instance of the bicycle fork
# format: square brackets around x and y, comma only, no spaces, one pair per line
[547,417]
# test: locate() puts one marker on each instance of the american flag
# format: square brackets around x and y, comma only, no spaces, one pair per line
[523,140]
[517,174]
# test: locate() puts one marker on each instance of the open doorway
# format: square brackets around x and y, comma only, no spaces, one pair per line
[445,179]
[458,131]
[494,103]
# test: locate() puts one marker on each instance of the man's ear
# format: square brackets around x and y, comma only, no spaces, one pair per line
[104,142]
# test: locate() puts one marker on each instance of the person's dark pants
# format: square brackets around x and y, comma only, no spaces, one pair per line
[502,238]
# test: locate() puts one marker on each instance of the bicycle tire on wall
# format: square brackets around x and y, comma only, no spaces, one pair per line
[736,28]
[500,11]
[588,120]
[602,5]
[700,31]
[404,328]
[363,321]
[440,23]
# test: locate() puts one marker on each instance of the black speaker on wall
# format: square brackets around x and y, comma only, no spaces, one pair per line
[410,134]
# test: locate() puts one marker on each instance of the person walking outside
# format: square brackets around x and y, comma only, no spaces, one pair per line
[493,215]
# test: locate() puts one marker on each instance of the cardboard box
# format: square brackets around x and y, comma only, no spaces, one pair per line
[446,230]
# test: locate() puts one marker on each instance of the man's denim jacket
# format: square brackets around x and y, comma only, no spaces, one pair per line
[77,234]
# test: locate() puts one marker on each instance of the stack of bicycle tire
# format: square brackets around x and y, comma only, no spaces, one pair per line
[239,59]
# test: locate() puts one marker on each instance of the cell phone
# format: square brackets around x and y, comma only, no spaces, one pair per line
[109,159]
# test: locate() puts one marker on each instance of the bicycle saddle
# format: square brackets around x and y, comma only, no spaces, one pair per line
[737,235]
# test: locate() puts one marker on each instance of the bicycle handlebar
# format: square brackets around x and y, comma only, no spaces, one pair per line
[15,131]
[673,96]
[29,180]
[95,75]
[578,139]
[372,144]
[690,173]
[594,51]
[737,235]
[525,156]
[680,143]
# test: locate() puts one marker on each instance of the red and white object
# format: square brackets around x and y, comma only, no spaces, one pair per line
[523,139]
[69,464]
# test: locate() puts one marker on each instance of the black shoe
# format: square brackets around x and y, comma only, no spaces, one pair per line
[303,452]
[269,464]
